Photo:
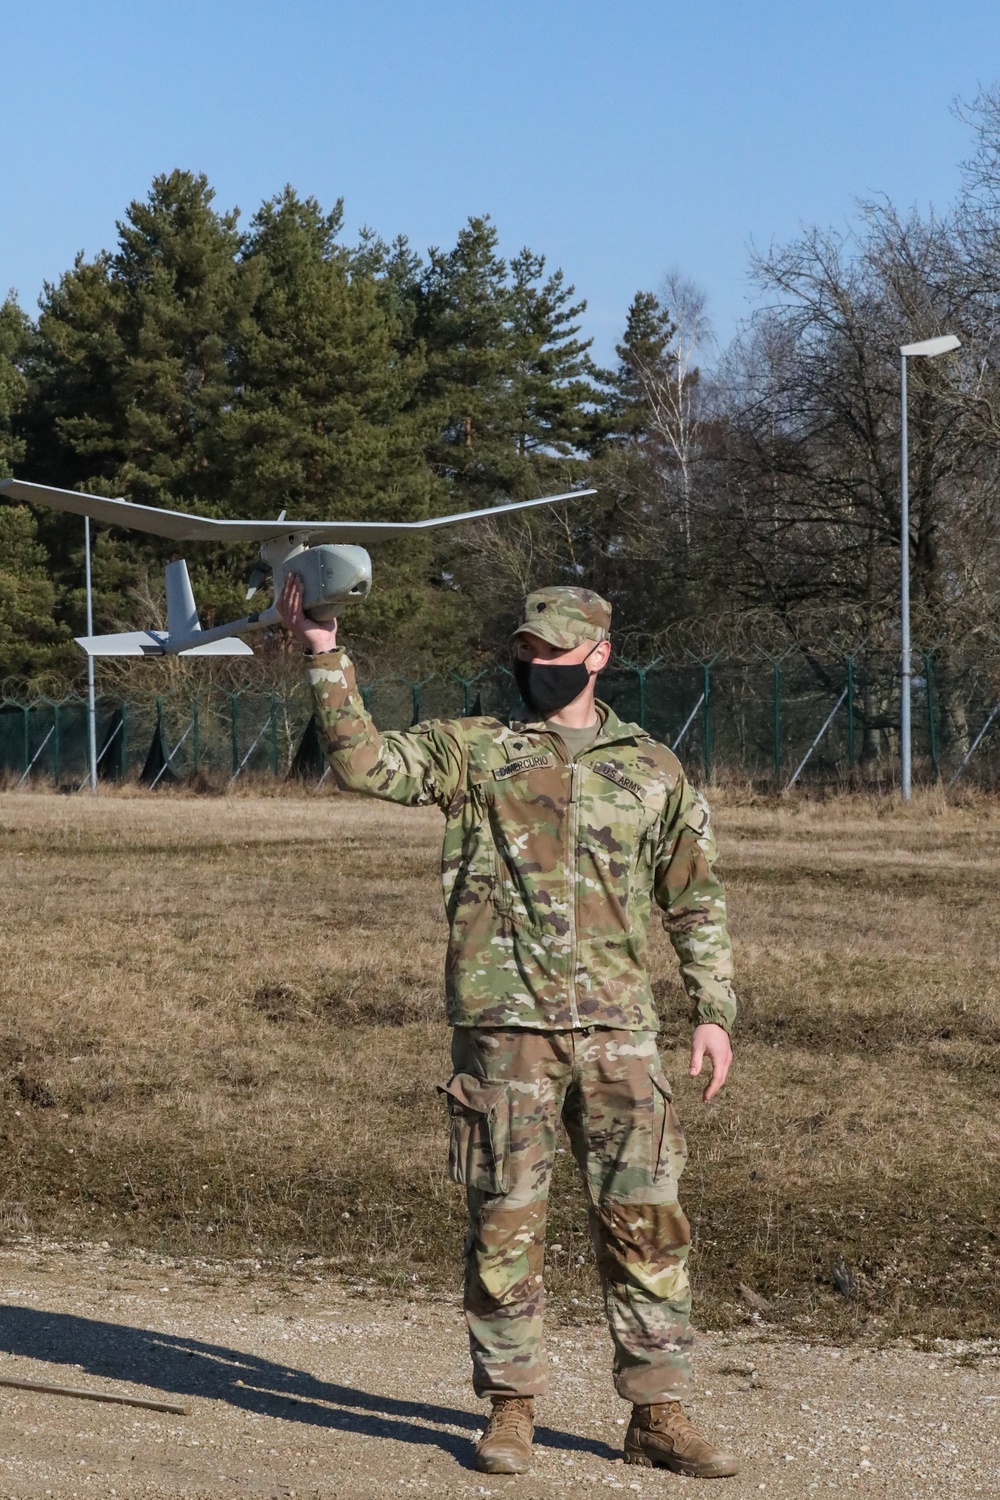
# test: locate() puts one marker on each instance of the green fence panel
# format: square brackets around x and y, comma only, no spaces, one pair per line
[932,724]
[756,715]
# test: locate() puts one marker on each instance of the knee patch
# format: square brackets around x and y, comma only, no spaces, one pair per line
[505,1255]
[644,1246]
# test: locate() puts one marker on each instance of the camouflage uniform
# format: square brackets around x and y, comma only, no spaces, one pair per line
[549,869]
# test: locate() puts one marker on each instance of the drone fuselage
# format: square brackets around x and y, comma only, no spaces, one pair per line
[331,575]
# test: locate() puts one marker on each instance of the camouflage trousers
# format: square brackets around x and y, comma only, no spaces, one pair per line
[507,1095]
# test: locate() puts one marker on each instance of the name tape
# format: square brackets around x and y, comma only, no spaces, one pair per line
[526,763]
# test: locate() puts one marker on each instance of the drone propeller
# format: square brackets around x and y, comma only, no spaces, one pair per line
[263,570]
[260,575]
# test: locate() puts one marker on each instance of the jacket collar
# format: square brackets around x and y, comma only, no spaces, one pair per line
[612,730]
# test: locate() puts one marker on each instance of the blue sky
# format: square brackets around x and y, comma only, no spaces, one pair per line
[619,139]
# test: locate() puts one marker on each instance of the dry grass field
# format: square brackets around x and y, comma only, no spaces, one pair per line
[220,1030]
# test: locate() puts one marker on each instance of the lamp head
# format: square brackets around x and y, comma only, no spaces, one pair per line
[931,348]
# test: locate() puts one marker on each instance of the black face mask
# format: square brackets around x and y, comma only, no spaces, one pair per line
[547,687]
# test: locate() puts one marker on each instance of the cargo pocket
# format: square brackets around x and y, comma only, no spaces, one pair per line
[668,1134]
[478,1149]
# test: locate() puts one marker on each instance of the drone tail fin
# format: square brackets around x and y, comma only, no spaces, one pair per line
[183,623]
[183,635]
[182,612]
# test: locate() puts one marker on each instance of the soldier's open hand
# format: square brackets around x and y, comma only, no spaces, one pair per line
[712,1042]
[318,638]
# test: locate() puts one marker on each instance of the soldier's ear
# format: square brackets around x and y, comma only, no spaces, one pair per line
[599,657]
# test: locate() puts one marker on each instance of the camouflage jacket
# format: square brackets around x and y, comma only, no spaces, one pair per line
[549,868]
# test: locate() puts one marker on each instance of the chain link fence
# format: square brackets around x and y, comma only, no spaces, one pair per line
[801,718]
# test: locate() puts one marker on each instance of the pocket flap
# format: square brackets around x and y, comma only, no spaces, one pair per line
[671,1148]
[479,1146]
[465,1092]
[662,1085]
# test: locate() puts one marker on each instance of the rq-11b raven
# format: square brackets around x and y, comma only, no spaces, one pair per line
[328,556]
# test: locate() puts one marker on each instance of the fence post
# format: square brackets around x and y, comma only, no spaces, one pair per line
[776,672]
[56,746]
[415,688]
[27,741]
[274,736]
[506,682]
[932,725]
[850,711]
[196,723]
[159,729]
[640,679]
[643,701]
[234,733]
[124,747]
[706,713]
[468,683]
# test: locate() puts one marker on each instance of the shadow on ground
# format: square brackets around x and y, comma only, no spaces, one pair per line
[188,1367]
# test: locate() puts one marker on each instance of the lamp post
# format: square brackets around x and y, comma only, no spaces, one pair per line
[91,701]
[927,349]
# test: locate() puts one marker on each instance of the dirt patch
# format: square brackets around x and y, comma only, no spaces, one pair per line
[220,1032]
[303,1385]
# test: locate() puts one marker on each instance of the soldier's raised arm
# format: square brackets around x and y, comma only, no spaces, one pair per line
[417,767]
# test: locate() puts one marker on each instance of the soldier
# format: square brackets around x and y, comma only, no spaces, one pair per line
[559,834]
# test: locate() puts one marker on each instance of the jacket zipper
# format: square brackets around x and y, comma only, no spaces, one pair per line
[571,866]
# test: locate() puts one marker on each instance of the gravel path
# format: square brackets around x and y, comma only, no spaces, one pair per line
[306,1387]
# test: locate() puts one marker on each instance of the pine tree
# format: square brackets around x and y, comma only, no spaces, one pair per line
[32,646]
[508,382]
[133,365]
[321,422]
[553,391]
[73,423]
[325,422]
[398,272]
[15,343]
[643,355]
[183,305]
[130,374]
[464,325]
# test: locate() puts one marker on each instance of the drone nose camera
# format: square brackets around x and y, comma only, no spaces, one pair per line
[331,577]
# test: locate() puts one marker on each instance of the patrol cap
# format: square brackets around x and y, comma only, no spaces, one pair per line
[565,617]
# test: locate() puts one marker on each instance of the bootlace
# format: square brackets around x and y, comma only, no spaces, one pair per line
[513,1416]
[671,1419]
[672,1414]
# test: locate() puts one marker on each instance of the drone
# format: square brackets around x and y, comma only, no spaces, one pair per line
[335,572]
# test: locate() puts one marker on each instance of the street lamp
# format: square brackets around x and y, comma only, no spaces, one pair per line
[926,349]
[91,700]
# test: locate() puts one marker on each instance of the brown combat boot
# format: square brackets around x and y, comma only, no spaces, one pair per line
[662,1437]
[505,1446]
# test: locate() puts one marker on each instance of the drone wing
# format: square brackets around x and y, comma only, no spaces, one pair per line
[181,527]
